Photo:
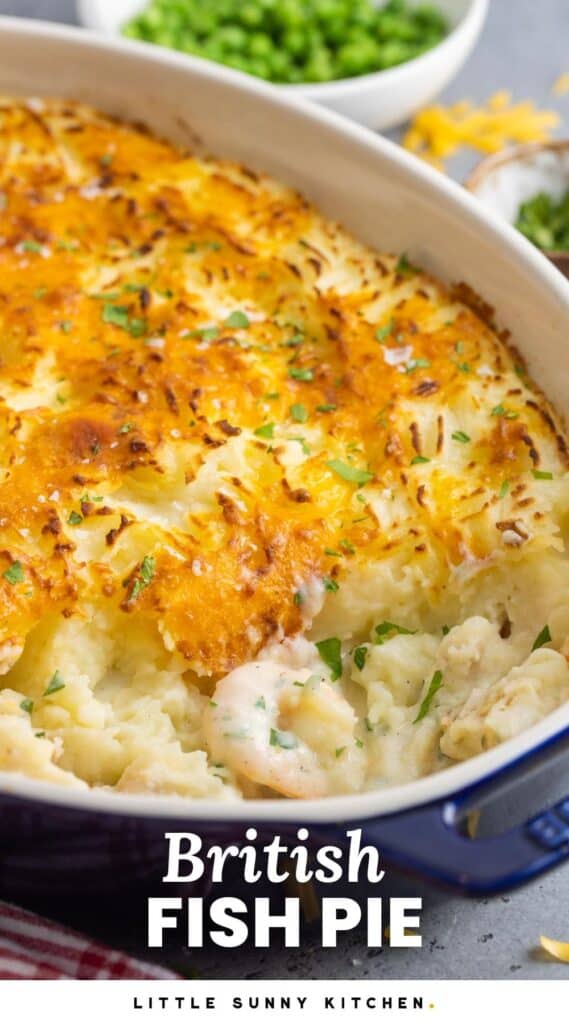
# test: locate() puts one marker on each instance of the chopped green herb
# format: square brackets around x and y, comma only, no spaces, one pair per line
[330,585]
[508,414]
[204,333]
[505,487]
[300,373]
[434,686]
[147,571]
[126,428]
[106,160]
[74,519]
[360,656]
[66,326]
[55,684]
[542,474]
[119,316]
[542,638]
[383,332]
[286,740]
[266,430]
[299,413]
[339,751]
[330,407]
[237,319]
[459,348]
[14,573]
[351,474]
[39,293]
[260,703]
[298,598]
[347,545]
[386,630]
[358,743]
[403,266]
[368,725]
[213,703]
[27,705]
[463,367]
[417,460]
[544,219]
[459,435]
[30,245]
[445,630]
[330,651]
[417,364]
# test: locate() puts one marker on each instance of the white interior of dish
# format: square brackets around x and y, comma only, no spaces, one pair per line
[508,184]
[381,194]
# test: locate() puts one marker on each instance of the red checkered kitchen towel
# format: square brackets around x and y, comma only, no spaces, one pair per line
[33,949]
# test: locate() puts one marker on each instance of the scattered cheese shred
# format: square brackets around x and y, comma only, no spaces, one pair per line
[437,133]
[561,84]
[560,950]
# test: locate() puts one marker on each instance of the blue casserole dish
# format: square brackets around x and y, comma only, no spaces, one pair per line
[55,841]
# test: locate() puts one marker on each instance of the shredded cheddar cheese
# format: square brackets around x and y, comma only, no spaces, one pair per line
[561,84]
[437,132]
[559,950]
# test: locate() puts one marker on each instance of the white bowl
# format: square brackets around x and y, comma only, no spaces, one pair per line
[504,181]
[388,199]
[379,100]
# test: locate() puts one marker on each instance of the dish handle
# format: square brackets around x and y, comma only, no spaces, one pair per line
[432,840]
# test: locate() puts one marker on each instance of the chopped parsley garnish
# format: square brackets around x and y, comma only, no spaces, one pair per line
[339,751]
[542,638]
[30,245]
[358,742]
[459,348]
[386,630]
[55,684]
[383,332]
[508,414]
[434,686]
[360,656]
[330,585]
[205,333]
[286,740]
[299,413]
[403,266]
[119,316]
[74,519]
[445,630]
[237,319]
[298,598]
[300,373]
[39,293]
[14,573]
[27,705]
[505,487]
[351,474]
[459,435]
[266,430]
[329,407]
[126,428]
[66,326]
[147,571]
[347,545]
[542,474]
[463,367]
[330,651]
[417,460]
[331,552]
[417,364]
[260,703]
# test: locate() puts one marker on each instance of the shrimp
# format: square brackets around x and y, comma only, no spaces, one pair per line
[280,727]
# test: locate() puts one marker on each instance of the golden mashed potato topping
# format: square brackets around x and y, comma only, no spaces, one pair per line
[278,514]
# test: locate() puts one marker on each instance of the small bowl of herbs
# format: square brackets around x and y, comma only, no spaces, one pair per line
[376,61]
[529,187]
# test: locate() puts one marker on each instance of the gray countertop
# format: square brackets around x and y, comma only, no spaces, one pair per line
[524,47]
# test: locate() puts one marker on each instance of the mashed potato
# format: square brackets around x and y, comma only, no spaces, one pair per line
[279,515]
